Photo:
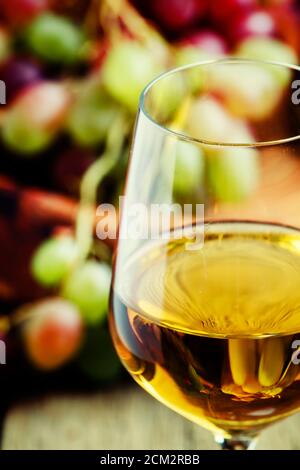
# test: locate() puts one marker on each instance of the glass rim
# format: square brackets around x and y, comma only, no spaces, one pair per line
[191,139]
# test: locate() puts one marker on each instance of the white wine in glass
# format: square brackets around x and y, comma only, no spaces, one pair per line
[211,329]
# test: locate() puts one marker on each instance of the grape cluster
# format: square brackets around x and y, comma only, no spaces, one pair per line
[83,285]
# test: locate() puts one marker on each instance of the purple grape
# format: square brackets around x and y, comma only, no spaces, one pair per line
[175,15]
[18,73]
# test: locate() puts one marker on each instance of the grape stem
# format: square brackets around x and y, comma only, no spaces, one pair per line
[112,11]
[91,181]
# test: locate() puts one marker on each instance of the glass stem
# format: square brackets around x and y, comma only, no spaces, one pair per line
[236,441]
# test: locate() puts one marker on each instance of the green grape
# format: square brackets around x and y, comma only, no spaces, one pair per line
[189,169]
[248,90]
[20,136]
[126,71]
[208,120]
[53,259]
[4,45]
[259,48]
[233,173]
[97,359]
[166,96]
[190,55]
[88,287]
[54,38]
[91,117]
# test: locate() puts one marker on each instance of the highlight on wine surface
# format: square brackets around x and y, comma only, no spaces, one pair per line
[214,333]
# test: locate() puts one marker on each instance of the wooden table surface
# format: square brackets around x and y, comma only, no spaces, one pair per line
[126,418]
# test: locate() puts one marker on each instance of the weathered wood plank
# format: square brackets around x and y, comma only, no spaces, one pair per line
[123,419]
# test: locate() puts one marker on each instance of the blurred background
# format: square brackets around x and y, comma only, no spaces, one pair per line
[73,72]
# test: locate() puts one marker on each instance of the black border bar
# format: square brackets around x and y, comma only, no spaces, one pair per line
[144,458]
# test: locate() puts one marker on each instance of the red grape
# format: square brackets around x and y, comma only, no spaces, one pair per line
[177,14]
[35,117]
[53,332]
[20,12]
[279,3]
[208,40]
[254,23]
[19,73]
[221,11]
[45,104]
[287,23]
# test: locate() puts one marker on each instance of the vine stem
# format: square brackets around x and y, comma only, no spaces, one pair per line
[113,10]
[91,181]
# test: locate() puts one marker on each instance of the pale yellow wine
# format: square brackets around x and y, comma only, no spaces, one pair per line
[211,332]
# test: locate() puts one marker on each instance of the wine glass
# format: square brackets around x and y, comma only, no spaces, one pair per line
[205,301]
